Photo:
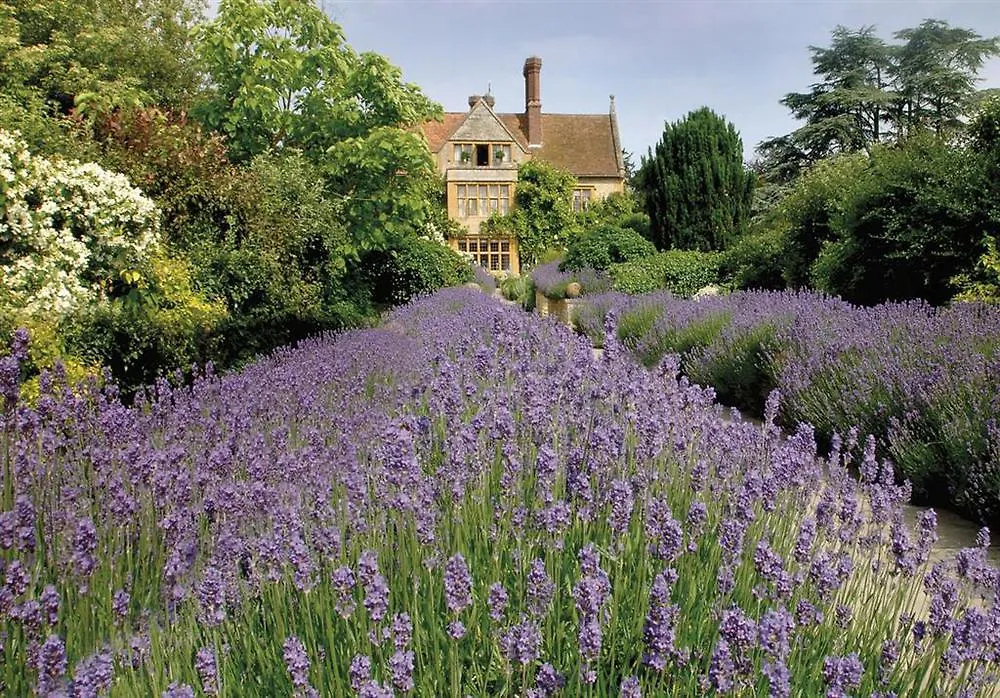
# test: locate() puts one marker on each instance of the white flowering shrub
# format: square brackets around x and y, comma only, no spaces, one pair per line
[69,231]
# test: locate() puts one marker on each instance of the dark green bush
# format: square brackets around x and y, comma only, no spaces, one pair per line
[601,247]
[682,272]
[412,267]
[755,262]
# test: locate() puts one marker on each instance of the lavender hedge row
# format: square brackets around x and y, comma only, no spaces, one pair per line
[463,502]
[552,281]
[924,381]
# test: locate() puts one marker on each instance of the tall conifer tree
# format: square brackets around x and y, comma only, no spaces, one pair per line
[694,182]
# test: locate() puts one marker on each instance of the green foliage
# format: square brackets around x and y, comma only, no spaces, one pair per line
[167,325]
[412,268]
[543,216]
[180,166]
[599,248]
[908,226]
[812,211]
[735,361]
[984,129]
[936,71]
[756,261]
[695,186]
[97,55]
[520,289]
[984,283]
[845,109]
[281,264]
[284,78]
[387,183]
[682,272]
[650,346]
[635,324]
[869,92]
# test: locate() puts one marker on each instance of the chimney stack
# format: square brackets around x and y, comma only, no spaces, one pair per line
[476,99]
[533,99]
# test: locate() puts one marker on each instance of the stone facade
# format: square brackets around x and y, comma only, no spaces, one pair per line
[478,153]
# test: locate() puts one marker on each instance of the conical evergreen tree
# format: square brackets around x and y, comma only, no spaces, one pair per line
[696,188]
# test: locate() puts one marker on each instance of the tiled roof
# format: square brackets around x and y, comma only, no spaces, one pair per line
[438,132]
[583,144]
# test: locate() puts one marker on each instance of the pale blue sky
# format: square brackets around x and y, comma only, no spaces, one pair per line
[660,59]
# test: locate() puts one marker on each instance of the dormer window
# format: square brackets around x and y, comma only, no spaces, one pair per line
[482,154]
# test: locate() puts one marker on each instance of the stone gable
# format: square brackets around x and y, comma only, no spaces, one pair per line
[481,125]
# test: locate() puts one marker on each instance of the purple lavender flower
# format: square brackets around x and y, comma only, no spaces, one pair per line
[377,597]
[456,629]
[775,628]
[696,517]
[842,674]
[548,680]
[92,676]
[401,667]
[739,631]
[888,658]
[367,566]
[120,601]
[622,502]
[49,600]
[16,577]
[342,579]
[540,589]
[497,601]
[457,584]
[208,673]
[725,579]
[138,650]
[24,512]
[590,637]
[371,689]
[84,545]
[806,614]
[661,622]
[843,616]
[663,531]
[768,563]
[630,688]
[522,642]
[402,630]
[779,679]
[721,670]
[360,671]
[297,662]
[51,665]
[178,690]
[943,603]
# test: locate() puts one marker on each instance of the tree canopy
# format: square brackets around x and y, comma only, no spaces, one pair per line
[869,91]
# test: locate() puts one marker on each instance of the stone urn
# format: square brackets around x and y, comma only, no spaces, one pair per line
[573,290]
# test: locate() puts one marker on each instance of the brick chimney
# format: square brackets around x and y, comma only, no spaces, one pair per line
[533,99]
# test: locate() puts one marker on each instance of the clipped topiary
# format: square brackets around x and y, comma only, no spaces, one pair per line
[603,246]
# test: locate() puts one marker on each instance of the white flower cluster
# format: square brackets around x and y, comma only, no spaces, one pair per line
[67,229]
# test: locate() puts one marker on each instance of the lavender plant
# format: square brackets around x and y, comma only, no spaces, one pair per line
[923,381]
[463,502]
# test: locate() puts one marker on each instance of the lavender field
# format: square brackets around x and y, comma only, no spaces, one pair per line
[465,502]
[924,382]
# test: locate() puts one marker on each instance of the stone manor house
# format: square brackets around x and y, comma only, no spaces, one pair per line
[478,152]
